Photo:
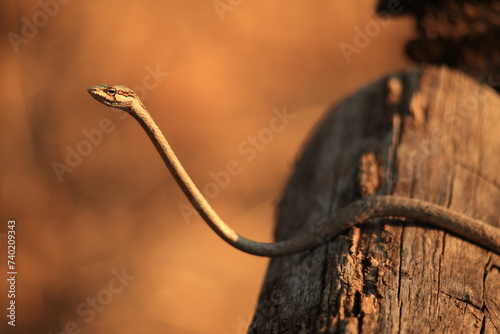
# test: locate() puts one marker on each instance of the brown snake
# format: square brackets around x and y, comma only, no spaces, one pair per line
[358,212]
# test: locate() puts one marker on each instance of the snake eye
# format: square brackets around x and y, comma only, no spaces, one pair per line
[111,91]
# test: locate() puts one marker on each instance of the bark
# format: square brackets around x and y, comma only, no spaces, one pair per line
[431,134]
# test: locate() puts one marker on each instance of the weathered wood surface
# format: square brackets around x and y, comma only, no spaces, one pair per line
[431,134]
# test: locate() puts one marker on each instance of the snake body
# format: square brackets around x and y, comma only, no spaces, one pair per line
[358,212]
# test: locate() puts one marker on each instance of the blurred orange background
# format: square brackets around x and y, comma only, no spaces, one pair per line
[106,242]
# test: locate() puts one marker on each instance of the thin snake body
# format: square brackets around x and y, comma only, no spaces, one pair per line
[359,212]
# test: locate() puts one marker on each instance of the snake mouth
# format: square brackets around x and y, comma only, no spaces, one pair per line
[97,93]
[93,91]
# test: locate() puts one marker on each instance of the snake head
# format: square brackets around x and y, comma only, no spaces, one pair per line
[116,96]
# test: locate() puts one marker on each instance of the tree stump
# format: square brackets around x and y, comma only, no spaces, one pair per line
[431,134]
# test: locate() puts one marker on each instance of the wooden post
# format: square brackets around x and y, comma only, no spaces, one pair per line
[431,133]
